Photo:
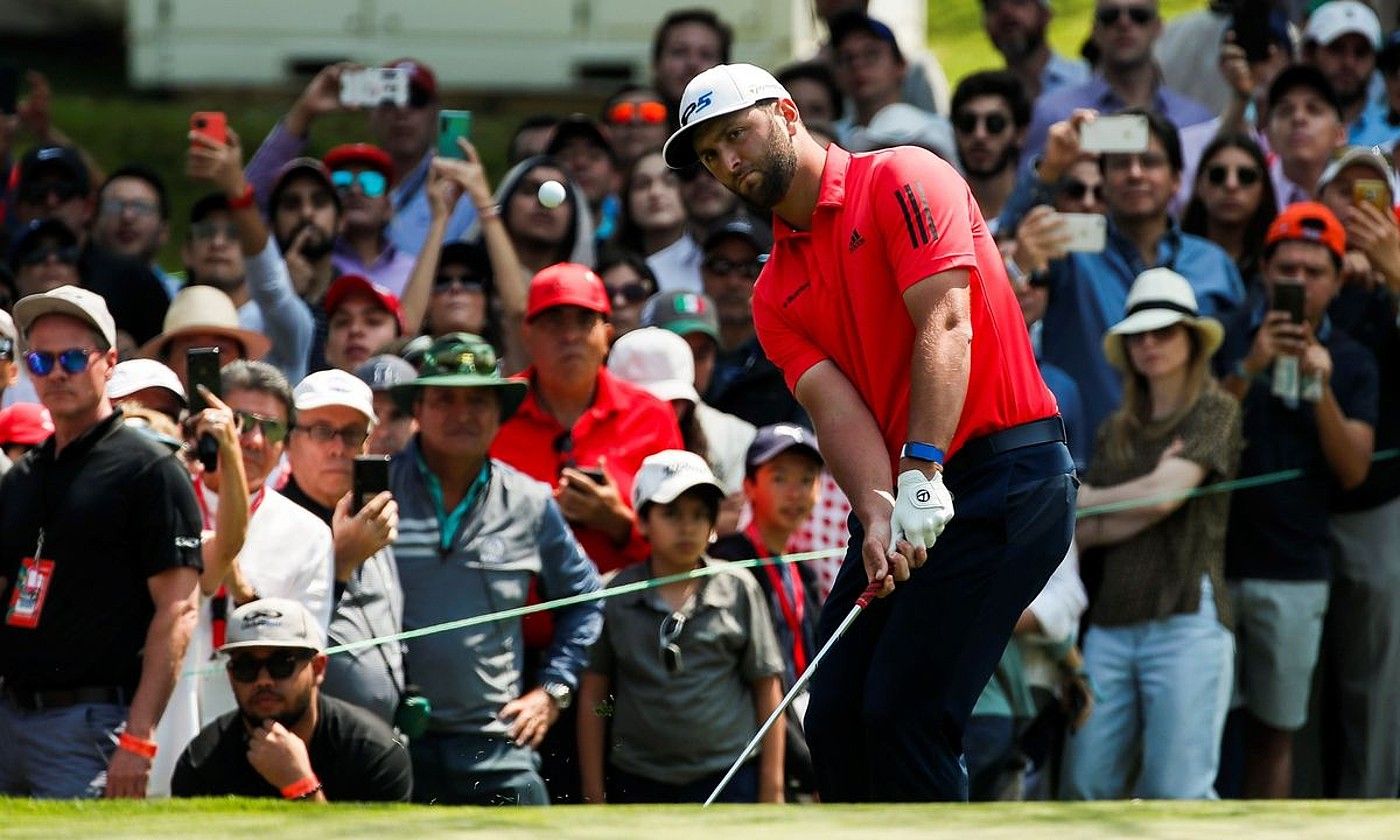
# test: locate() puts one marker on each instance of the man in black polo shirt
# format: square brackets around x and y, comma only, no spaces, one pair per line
[99,560]
[1278,549]
[286,738]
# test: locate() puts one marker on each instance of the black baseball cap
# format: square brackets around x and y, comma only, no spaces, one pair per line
[848,23]
[772,441]
[35,234]
[743,226]
[63,160]
[1304,76]
[578,125]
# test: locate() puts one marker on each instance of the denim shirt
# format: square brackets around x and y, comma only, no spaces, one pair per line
[1088,293]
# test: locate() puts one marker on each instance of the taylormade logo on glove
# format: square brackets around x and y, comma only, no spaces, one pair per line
[922,509]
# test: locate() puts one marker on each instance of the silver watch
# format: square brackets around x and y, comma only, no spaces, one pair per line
[560,693]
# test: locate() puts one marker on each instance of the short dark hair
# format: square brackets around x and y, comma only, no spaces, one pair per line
[995,83]
[815,71]
[704,17]
[530,123]
[247,375]
[1160,127]
[142,173]
[207,205]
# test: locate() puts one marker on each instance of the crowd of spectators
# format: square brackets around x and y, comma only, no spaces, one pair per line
[569,396]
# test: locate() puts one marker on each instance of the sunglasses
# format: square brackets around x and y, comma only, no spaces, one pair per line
[1158,335]
[479,359]
[73,360]
[729,268]
[38,192]
[245,669]
[1076,190]
[371,183]
[650,112]
[1109,15]
[671,627]
[7,349]
[213,230]
[629,292]
[1246,176]
[468,284]
[272,429]
[67,254]
[967,122]
[140,208]
[352,436]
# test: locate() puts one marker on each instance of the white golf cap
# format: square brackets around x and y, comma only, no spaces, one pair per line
[720,90]
[1370,157]
[273,622]
[1343,17]
[658,360]
[335,387]
[1159,298]
[663,477]
[134,375]
[88,307]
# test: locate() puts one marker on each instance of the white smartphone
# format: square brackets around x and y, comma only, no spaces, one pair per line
[1126,133]
[374,86]
[1087,233]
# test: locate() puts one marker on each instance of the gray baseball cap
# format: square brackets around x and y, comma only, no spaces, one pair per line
[274,622]
[384,371]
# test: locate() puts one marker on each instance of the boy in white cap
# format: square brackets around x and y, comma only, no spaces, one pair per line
[693,664]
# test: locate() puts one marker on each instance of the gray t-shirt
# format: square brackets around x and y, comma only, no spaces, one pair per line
[678,727]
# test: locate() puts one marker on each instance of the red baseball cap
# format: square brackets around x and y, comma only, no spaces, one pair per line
[366,155]
[1308,221]
[27,424]
[567,284]
[350,284]
[420,75]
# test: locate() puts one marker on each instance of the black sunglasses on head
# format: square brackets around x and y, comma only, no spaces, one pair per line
[280,666]
[479,359]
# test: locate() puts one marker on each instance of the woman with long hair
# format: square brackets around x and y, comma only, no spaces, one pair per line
[1159,650]
[654,224]
[1233,203]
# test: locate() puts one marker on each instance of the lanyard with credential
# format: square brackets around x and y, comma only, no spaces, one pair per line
[794,609]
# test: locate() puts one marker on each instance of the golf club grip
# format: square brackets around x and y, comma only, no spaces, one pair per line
[871,593]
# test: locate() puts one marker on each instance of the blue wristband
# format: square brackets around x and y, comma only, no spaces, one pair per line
[922,452]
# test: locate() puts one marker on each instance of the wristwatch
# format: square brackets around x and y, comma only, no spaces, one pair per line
[560,693]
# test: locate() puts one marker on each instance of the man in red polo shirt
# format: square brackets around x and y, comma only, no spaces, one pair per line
[886,306]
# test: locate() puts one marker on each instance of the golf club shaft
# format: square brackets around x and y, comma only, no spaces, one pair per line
[861,603]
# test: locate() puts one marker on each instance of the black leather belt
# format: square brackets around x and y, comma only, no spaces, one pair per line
[62,698]
[977,450]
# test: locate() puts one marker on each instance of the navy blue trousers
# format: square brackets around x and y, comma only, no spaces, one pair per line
[890,701]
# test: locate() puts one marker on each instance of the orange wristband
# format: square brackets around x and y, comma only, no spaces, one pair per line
[302,787]
[140,746]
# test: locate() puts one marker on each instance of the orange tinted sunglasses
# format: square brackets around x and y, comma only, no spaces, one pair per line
[650,112]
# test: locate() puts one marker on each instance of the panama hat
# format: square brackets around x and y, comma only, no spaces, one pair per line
[200,310]
[1159,298]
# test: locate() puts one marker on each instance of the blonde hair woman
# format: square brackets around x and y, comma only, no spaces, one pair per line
[1159,649]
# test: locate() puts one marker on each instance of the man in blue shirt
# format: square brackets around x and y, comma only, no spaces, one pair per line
[1124,32]
[1017,29]
[1088,290]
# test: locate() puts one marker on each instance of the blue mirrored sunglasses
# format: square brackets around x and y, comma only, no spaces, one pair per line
[72,360]
[372,183]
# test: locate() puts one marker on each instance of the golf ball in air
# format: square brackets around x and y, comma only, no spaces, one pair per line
[551,194]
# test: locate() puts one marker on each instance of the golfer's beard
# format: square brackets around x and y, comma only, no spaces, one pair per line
[778,166]
[1009,155]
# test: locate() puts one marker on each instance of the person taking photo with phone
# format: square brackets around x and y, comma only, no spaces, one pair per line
[1309,395]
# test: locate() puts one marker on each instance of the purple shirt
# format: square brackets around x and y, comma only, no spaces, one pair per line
[1057,105]
[390,269]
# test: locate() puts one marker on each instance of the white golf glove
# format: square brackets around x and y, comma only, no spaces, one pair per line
[922,509]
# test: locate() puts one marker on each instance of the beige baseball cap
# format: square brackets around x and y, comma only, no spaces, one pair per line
[73,301]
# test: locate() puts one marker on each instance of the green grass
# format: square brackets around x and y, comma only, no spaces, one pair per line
[1011,821]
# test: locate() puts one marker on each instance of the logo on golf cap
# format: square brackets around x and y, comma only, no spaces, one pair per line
[701,103]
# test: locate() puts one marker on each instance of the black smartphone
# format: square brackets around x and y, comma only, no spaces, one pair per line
[371,477]
[1288,297]
[9,88]
[595,474]
[1251,27]
[202,368]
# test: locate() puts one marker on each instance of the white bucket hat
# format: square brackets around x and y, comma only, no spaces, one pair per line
[1159,298]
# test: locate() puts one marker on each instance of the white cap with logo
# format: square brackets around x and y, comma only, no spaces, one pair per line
[335,387]
[134,375]
[658,360]
[663,477]
[716,92]
[273,622]
[1332,20]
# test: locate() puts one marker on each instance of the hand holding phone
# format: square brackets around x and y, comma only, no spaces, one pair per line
[1289,297]
[451,126]
[211,124]
[202,368]
[1372,191]
[1121,134]
[370,478]
[1084,233]
[374,86]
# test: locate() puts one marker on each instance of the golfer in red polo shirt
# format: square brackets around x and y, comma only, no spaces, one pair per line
[885,303]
